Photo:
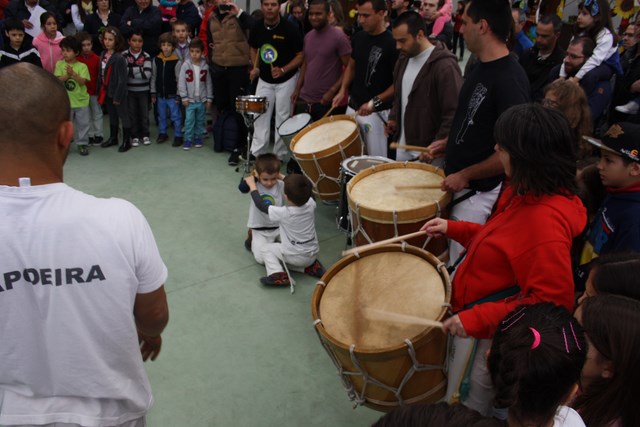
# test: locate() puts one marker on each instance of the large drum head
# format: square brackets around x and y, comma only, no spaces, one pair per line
[392,282]
[324,136]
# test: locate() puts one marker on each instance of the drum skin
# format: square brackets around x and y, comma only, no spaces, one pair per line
[290,127]
[411,208]
[326,160]
[401,280]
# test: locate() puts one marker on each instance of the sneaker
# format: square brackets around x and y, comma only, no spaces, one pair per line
[135,142]
[198,143]
[252,158]
[316,269]
[247,244]
[97,140]
[177,141]
[630,107]
[186,145]
[276,279]
[146,140]
[83,150]
[234,158]
[92,140]
[162,138]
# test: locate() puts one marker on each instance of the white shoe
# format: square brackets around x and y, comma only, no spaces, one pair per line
[135,142]
[630,107]
[146,140]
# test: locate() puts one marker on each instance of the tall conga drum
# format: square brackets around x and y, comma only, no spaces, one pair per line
[321,147]
[394,199]
[385,363]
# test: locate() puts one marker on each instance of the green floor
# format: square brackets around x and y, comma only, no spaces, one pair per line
[235,353]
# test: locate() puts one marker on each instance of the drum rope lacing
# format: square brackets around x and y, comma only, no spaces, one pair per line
[321,174]
[359,398]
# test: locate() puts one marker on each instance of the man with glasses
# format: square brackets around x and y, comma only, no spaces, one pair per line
[626,94]
[579,51]
[544,55]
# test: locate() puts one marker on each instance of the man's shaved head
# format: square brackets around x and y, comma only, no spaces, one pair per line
[33,107]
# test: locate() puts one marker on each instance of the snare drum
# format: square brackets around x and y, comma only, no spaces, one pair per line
[294,124]
[251,104]
[348,169]
[379,210]
[320,147]
[383,363]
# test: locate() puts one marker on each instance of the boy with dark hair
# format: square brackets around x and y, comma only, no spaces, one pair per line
[616,226]
[75,75]
[19,47]
[194,88]
[299,246]
[92,61]
[269,184]
[164,89]
[138,86]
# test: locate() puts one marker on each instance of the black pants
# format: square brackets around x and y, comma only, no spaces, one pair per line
[316,110]
[117,113]
[458,38]
[228,83]
[139,113]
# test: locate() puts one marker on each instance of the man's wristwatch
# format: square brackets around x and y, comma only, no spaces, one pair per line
[377,102]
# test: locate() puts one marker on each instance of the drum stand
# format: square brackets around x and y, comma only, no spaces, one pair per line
[249,119]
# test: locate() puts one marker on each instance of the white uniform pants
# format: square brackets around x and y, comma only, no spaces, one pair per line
[278,97]
[372,131]
[476,208]
[261,238]
[272,255]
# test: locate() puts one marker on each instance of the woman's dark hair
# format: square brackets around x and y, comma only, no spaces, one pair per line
[45,17]
[536,358]
[540,145]
[81,12]
[436,415]
[612,323]
[119,40]
[617,274]
[600,21]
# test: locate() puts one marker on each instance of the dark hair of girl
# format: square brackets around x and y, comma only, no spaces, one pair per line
[436,415]
[612,323]
[45,17]
[541,149]
[617,274]
[600,21]
[535,361]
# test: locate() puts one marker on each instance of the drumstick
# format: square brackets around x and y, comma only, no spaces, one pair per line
[328,112]
[395,146]
[418,187]
[377,314]
[383,242]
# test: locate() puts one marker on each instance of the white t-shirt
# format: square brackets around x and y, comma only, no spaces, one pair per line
[70,267]
[274,196]
[567,417]
[297,228]
[414,65]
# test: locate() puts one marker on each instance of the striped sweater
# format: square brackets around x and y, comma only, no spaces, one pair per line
[139,71]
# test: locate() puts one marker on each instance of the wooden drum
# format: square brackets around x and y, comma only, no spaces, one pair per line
[383,363]
[379,210]
[321,147]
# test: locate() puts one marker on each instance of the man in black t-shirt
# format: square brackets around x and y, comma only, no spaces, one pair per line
[369,75]
[496,83]
[276,46]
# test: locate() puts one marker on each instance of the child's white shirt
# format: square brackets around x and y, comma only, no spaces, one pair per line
[603,51]
[297,228]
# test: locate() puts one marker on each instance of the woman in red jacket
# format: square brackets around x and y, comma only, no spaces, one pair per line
[522,254]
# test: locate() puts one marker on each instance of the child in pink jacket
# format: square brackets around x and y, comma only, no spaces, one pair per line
[48,42]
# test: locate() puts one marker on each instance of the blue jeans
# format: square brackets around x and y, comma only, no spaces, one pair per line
[194,121]
[176,117]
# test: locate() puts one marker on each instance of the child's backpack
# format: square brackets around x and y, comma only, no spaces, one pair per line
[227,132]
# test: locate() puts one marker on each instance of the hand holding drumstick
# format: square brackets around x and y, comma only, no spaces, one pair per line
[436,227]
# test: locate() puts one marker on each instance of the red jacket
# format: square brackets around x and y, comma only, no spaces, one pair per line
[526,242]
[92,61]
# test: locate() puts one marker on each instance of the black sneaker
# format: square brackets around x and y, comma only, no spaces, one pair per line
[247,244]
[83,150]
[162,138]
[276,279]
[92,140]
[97,141]
[234,158]
[177,141]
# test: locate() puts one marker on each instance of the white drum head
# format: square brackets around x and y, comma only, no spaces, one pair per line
[294,124]
[325,136]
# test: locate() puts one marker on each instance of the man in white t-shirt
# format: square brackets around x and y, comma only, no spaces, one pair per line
[427,81]
[82,301]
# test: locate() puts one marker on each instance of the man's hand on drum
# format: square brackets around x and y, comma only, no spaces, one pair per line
[436,227]
[390,127]
[366,109]
[454,326]
[455,182]
[436,149]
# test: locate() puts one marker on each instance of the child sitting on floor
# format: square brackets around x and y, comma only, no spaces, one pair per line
[299,246]
[270,186]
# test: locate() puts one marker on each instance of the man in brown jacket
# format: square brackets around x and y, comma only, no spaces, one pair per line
[427,80]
